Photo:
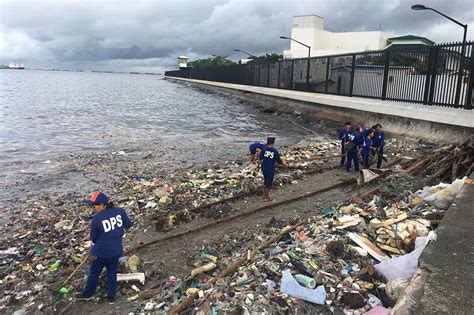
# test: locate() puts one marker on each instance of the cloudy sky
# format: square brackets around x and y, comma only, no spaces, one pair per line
[146,35]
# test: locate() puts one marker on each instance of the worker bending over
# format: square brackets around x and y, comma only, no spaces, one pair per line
[378,142]
[343,136]
[269,156]
[255,149]
[366,147]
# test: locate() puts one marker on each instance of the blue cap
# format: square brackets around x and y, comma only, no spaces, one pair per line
[270,140]
[97,198]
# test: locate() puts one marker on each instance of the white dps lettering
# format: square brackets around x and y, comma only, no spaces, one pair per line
[268,154]
[110,223]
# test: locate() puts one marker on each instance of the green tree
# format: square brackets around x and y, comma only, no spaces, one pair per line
[216,61]
[266,58]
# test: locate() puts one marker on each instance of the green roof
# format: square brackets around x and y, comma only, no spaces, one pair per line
[412,37]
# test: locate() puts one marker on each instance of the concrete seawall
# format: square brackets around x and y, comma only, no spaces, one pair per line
[450,117]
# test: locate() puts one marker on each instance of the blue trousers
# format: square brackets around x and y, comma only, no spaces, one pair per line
[365,156]
[97,265]
[379,158]
[352,156]
[268,179]
[343,157]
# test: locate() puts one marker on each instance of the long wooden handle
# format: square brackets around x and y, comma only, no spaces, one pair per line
[75,270]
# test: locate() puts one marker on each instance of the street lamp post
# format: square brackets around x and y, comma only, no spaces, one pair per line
[309,59]
[418,7]
[246,53]
[250,55]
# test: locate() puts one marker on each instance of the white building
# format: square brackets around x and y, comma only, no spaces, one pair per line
[309,29]
[244,61]
[183,62]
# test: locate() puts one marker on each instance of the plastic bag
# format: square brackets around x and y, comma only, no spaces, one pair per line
[441,196]
[290,286]
[378,310]
[404,266]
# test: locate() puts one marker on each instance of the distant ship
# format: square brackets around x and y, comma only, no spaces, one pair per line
[15,66]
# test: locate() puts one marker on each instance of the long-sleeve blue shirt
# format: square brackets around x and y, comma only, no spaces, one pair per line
[356,140]
[269,156]
[366,146]
[254,146]
[378,140]
[343,135]
[107,230]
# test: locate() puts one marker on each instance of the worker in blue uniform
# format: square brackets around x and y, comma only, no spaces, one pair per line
[343,137]
[269,156]
[366,146]
[107,229]
[378,143]
[354,142]
[255,149]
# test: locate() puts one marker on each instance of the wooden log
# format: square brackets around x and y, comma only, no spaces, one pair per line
[254,191]
[148,294]
[242,214]
[302,127]
[441,162]
[454,170]
[427,181]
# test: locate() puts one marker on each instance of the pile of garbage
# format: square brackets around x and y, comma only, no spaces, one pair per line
[38,251]
[355,259]
[167,202]
[46,238]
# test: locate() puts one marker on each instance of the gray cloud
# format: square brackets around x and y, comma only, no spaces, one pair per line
[148,35]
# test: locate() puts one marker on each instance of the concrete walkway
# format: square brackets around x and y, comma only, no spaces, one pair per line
[449,287]
[437,114]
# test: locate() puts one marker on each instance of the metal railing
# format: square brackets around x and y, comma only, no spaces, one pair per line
[434,75]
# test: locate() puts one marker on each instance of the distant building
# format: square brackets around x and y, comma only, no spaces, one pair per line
[245,61]
[309,29]
[408,42]
[183,62]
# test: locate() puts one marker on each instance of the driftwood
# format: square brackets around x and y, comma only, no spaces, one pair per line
[426,182]
[254,191]
[75,270]
[242,214]
[303,127]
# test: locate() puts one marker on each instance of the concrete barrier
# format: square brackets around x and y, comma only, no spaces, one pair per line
[435,114]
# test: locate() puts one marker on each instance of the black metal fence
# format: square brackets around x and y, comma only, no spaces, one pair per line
[434,75]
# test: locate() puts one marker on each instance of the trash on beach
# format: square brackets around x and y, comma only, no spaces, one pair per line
[291,287]
[204,268]
[137,276]
[368,246]
[404,267]
[442,195]
[132,263]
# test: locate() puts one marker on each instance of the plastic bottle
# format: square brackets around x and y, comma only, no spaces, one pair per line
[305,281]
[209,257]
[54,265]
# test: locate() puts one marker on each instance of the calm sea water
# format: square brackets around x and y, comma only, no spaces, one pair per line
[44,114]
